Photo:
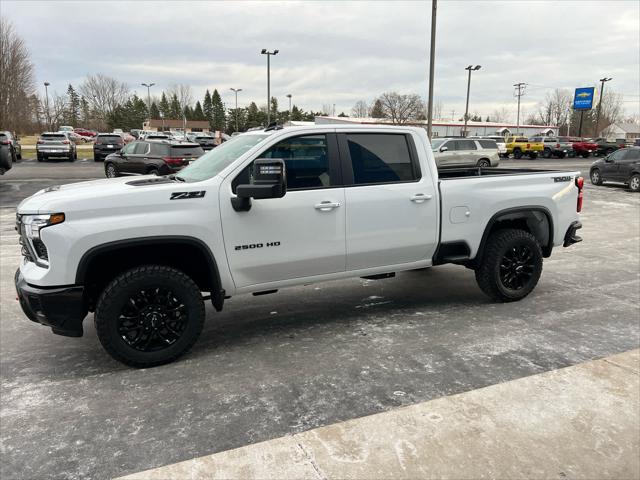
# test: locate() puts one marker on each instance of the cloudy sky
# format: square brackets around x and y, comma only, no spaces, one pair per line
[339,52]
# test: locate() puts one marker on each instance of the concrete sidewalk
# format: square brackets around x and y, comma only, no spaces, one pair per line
[577,422]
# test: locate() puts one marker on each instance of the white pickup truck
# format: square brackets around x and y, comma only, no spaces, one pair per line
[272,209]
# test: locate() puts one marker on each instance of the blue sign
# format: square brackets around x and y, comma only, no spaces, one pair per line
[583,98]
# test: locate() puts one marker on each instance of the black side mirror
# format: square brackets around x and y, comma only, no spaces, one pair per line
[444,149]
[269,181]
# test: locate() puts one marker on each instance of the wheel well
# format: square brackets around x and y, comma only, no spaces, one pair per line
[536,221]
[99,266]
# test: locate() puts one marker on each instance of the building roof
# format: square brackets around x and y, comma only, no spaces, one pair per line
[628,127]
[441,123]
[178,123]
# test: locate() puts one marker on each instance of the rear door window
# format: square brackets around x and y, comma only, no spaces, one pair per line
[465,145]
[141,148]
[381,158]
[632,154]
[488,143]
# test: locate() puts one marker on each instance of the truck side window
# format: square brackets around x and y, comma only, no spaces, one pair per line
[306,160]
[381,158]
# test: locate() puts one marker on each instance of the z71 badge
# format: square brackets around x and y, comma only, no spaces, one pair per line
[183,195]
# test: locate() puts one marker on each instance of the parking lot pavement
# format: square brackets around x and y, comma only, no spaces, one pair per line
[306,357]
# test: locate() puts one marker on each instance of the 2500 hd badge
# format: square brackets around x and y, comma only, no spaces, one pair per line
[257,245]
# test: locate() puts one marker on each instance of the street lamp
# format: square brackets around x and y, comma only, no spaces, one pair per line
[236,90]
[148,85]
[432,59]
[268,54]
[470,68]
[602,81]
[289,97]
[46,89]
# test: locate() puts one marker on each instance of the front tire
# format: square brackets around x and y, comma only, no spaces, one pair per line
[511,265]
[595,177]
[634,182]
[149,316]
[517,153]
[546,153]
[111,171]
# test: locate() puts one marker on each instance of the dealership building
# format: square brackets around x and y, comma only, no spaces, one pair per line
[447,128]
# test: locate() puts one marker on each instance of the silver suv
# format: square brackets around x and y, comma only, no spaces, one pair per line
[465,152]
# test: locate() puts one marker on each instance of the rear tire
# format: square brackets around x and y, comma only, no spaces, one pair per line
[546,153]
[149,316]
[111,171]
[586,155]
[153,171]
[634,182]
[517,153]
[483,163]
[595,177]
[511,265]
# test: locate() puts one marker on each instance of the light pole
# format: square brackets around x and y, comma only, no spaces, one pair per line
[432,58]
[148,85]
[268,54]
[289,97]
[236,90]
[602,81]
[470,68]
[46,90]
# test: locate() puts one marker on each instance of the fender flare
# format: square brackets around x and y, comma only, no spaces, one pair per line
[217,292]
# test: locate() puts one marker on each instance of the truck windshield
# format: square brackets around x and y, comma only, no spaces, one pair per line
[216,160]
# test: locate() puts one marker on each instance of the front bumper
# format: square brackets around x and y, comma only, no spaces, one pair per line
[570,237]
[62,309]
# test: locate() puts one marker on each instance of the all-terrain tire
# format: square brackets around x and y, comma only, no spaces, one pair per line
[148,278]
[491,271]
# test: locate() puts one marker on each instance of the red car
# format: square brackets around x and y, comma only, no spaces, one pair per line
[83,132]
[582,147]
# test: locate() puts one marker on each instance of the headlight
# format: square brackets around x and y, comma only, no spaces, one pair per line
[29,227]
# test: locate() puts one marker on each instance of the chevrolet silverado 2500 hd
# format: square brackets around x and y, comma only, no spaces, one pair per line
[271,209]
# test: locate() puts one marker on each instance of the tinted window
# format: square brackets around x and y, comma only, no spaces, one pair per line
[617,155]
[128,149]
[632,154]
[465,145]
[488,143]
[380,158]
[186,151]
[159,149]
[141,148]
[54,136]
[306,160]
[110,138]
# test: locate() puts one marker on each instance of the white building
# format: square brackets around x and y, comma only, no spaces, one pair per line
[626,130]
[443,128]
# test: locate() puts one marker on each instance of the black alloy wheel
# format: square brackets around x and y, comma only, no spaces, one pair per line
[517,267]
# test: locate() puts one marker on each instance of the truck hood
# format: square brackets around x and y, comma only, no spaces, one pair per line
[103,193]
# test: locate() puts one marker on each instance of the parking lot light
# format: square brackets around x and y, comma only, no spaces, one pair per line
[148,85]
[602,82]
[236,90]
[470,68]
[46,90]
[268,54]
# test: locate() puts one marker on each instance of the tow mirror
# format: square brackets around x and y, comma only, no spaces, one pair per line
[444,149]
[269,181]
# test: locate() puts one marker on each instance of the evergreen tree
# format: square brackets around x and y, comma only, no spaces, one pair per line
[376,110]
[72,115]
[207,108]
[236,115]
[155,112]
[342,114]
[164,108]
[296,113]
[198,114]
[218,112]
[187,112]
[85,112]
[174,107]
[274,108]
[253,116]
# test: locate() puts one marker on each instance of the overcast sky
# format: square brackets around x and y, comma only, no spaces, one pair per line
[339,52]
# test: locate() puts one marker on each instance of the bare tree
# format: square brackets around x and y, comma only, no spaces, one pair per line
[16,80]
[500,115]
[438,107]
[183,93]
[360,109]
[401,108]
[104,94]
[57,107]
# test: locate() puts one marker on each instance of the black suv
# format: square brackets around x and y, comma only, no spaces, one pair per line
[156,157]
[105,144]
[622,166]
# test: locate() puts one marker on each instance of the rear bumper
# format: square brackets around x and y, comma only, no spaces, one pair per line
[62,309]
[571,237]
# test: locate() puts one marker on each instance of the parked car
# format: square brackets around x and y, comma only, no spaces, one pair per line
[609,145]
[83,132]
[205,140]
[500,142]
[75,138]
[465,152]
[105,144]
[269,210]
[621,166]
[581,147]
[14,144]
[636,142]
[151,157]
[55,145]
[554,146]
[520,146]
[157,136]
[6,157]
[65,128]
[135,133]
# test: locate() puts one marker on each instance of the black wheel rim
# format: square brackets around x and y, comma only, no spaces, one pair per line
[517,267]
[152,319]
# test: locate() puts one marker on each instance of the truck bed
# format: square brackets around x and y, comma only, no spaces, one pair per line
[454,173]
